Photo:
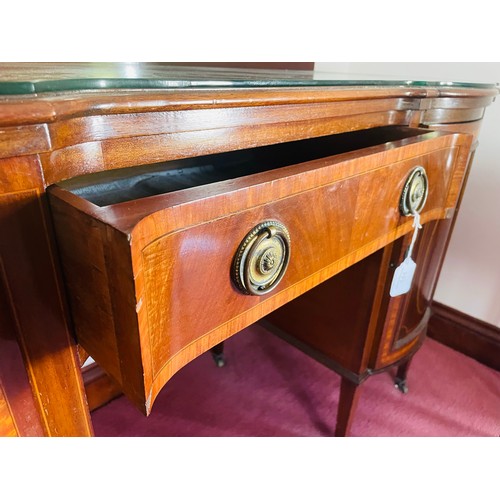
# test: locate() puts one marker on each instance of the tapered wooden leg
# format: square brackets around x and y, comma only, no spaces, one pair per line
[400,381]
[348,400]
[218,354]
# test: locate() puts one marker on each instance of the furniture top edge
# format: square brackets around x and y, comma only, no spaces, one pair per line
[54,106]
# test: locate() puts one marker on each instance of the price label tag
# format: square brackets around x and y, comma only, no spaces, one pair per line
[403,275]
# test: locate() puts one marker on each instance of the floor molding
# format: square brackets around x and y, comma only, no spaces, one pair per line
[468,335]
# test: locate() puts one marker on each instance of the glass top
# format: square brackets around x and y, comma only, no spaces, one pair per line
[34,78]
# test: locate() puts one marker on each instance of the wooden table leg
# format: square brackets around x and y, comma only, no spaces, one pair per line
[348,400]
[33,296]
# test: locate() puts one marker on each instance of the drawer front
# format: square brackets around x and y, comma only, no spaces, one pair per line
[189,296]
[167,288]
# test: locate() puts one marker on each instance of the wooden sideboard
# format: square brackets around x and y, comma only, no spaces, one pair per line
[145,220]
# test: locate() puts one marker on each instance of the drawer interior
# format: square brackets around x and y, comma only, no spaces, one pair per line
[132,183]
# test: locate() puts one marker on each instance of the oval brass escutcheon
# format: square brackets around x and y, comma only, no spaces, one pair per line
[415,192]
[262,258]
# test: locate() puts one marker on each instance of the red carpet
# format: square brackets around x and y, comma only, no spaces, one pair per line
[269,388]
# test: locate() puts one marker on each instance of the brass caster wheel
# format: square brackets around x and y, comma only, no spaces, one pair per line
[401,385]
[219,359]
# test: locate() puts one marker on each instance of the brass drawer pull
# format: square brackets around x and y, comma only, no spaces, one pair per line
[415,192]
[262,258]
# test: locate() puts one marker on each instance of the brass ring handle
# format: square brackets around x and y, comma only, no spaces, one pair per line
[262,258]
[415,192]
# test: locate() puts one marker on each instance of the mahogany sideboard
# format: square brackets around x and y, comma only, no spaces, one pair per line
[148,214]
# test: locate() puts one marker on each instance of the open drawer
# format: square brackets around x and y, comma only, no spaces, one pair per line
[164,261]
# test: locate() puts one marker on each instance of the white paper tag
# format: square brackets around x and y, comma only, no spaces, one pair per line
[403,277]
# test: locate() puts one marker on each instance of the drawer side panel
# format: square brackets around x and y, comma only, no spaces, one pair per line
[80,242]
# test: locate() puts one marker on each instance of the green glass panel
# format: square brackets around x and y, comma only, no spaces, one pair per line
[31,78]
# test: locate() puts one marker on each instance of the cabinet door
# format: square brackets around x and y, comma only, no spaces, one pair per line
[402,329]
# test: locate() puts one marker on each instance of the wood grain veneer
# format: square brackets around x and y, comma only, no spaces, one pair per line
[143,263]
[7,423]
[32,288]
[51,136]
[20,415]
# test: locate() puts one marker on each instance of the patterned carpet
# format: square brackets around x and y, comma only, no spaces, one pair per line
[269,388]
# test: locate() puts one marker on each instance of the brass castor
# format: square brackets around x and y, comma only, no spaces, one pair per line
[217,352]
[401,385]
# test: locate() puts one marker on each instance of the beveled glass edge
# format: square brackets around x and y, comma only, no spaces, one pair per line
[20,88]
